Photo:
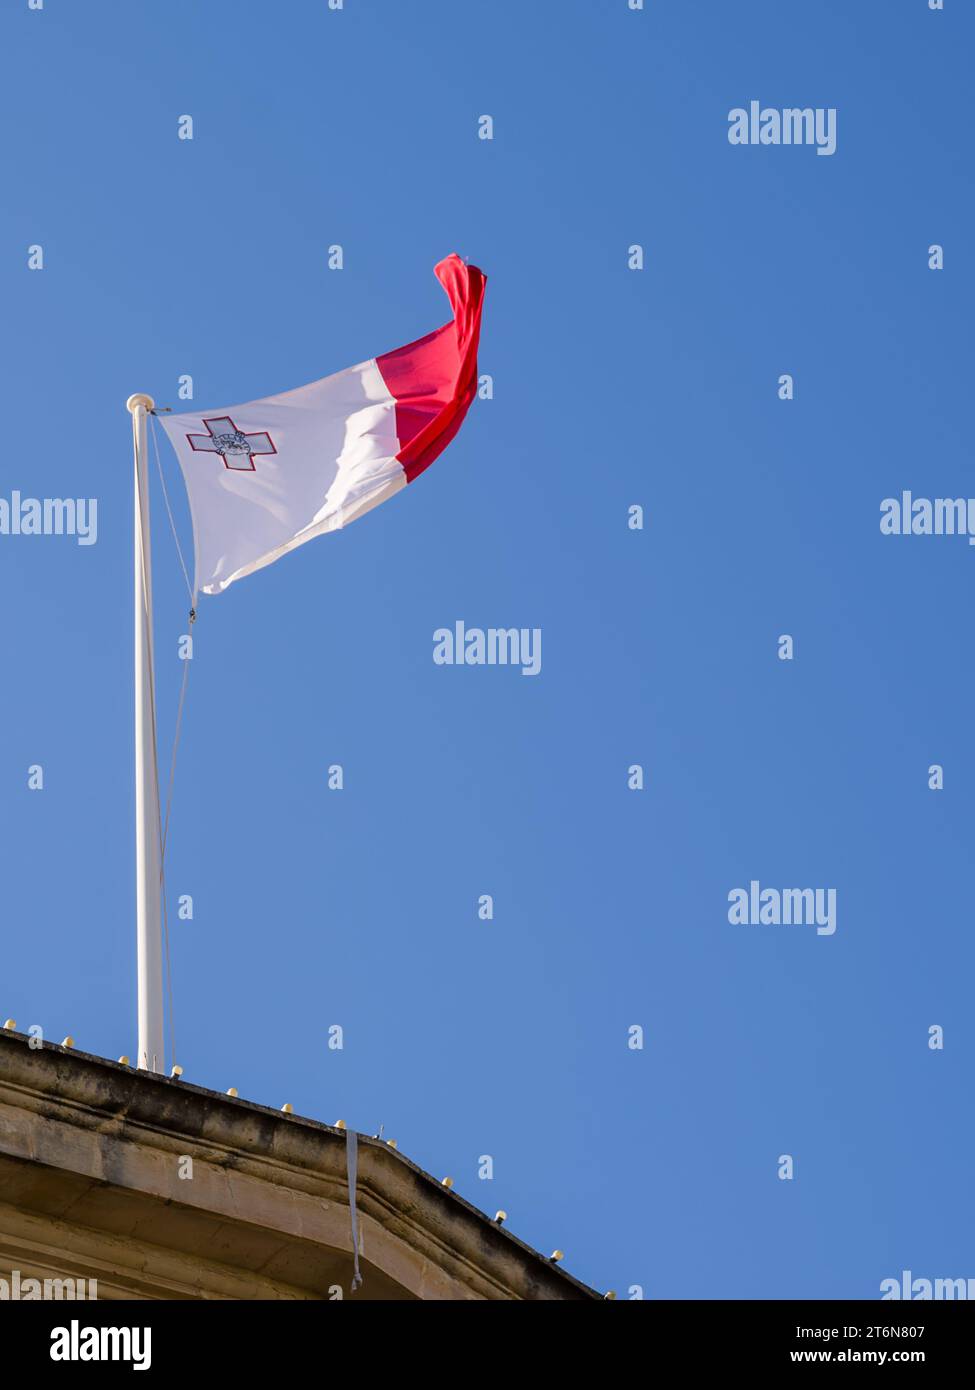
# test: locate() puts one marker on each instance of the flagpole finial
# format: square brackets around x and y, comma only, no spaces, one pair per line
[133,403]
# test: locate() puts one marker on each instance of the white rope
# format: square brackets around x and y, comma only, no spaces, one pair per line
[169,512]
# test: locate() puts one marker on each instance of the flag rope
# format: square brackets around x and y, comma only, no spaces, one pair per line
[163,839]
[186,663]
[169,512]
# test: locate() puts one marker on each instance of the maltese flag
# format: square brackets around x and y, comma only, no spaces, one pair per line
[267,476]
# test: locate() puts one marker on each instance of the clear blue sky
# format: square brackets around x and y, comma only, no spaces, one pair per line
[163,257]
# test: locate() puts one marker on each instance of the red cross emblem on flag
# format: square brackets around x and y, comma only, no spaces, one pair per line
[235,448]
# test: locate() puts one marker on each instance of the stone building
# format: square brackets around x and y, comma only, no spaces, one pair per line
[95,1184]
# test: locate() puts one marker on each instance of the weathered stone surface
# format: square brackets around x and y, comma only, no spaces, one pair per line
[90,1188]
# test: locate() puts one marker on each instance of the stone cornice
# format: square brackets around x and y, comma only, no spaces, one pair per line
[269,1190]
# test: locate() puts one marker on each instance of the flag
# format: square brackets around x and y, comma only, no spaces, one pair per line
[267,476]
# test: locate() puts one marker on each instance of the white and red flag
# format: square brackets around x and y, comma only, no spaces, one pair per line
[267,476]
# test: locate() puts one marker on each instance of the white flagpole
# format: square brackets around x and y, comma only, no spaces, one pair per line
[147,856]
